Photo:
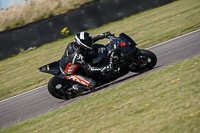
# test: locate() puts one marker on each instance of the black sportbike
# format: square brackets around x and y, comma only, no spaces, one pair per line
[127,57]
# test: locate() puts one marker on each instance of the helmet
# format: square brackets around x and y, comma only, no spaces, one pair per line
[84,39]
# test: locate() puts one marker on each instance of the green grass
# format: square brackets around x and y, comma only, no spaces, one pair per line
[19,15]
[165,101]
[19,73]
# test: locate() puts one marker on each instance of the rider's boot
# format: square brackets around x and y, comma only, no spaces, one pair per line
[81,88]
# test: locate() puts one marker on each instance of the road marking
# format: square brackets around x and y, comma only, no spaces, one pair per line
[147,49]
[23,93]
[174,39]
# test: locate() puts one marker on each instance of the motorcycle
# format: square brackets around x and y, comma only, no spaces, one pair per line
[126,57]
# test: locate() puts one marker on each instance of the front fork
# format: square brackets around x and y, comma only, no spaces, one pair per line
[133,61]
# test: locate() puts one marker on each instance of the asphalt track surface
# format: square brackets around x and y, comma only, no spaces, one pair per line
[38,101]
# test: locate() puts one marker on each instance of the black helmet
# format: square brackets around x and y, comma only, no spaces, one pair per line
[84,39]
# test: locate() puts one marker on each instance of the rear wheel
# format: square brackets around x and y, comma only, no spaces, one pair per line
[58,88]
[145,61]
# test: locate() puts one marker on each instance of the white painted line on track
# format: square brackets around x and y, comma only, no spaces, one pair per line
[174,39]
[147,48]
[23,93]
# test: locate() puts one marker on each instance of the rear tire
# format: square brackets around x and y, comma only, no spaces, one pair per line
[146,60]
[55,87]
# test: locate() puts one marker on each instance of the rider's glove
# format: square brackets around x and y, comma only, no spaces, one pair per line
[109,67]
[106,34]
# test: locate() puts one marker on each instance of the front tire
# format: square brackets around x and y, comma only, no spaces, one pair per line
[145,61]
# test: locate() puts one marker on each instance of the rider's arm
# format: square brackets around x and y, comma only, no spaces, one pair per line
[79,60]
[101,36]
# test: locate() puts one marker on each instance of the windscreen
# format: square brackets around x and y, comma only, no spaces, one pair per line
[123,36]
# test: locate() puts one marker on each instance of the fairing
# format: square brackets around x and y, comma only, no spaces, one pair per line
[52,68]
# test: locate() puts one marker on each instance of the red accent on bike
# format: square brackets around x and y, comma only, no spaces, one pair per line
[122,44]
[81,80]
[67,68]
[71,68]
[75,68]
[77,79]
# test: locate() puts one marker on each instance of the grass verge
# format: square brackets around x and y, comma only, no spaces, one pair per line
[17,15]
[19,74]
[163,101]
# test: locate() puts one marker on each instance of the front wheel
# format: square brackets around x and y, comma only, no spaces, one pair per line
[145,61]
[58,88]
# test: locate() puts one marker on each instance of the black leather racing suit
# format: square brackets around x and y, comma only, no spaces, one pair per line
[73,58]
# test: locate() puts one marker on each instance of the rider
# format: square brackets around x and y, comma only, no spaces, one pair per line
[73,58]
